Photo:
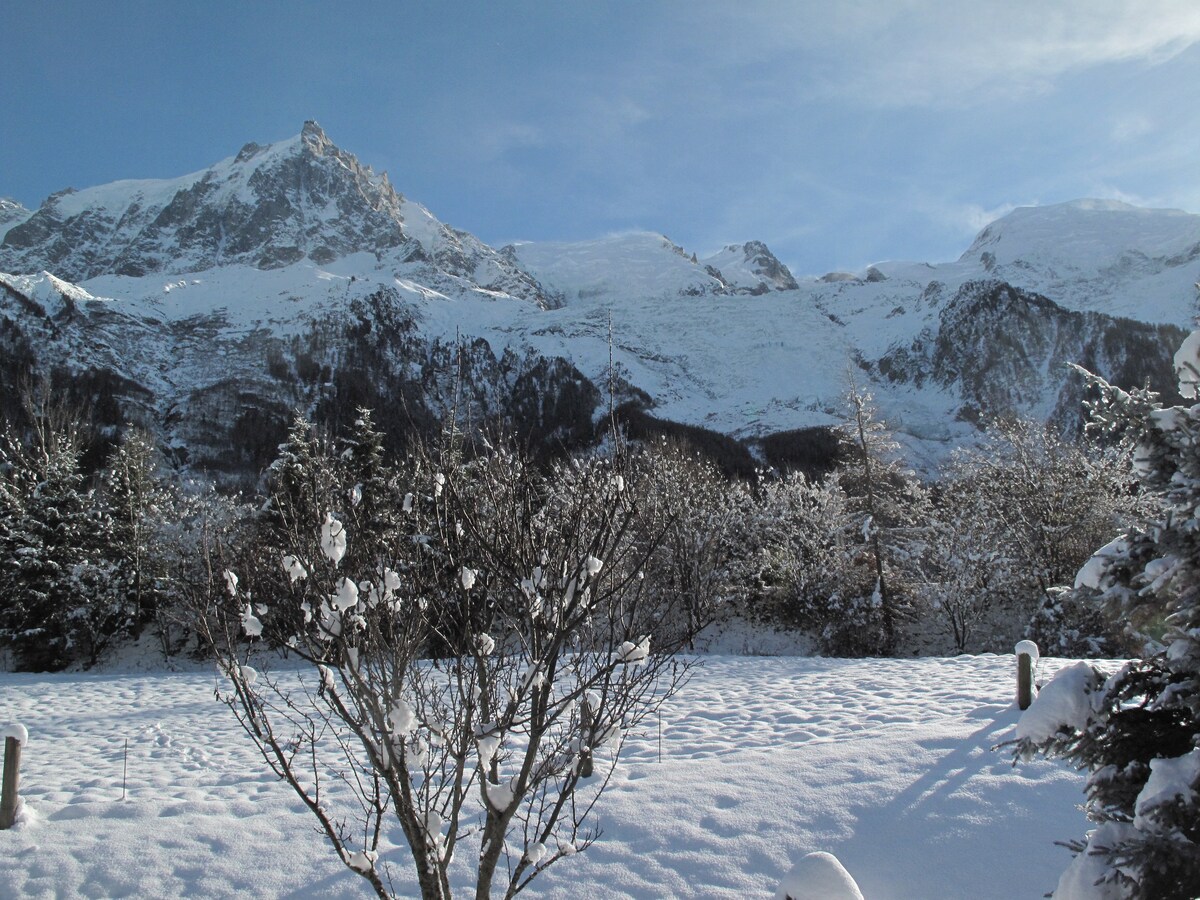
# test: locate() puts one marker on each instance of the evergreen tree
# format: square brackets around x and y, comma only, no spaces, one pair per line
[1141,739]
[300,479]
[135,501]
[57,579]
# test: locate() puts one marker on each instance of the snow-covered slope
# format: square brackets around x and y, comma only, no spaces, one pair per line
[638,264]
[292,275]
[1097,255]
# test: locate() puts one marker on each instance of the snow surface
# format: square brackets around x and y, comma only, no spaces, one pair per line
[1187,365]
[1079,881]
[887,764]
[640,263]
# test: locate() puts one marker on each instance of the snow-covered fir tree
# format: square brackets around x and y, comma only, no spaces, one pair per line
[63,599]
[136,500]
[1137,733]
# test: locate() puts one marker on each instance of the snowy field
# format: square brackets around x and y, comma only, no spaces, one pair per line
[888,764]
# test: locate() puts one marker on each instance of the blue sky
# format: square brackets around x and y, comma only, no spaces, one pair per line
[838,133]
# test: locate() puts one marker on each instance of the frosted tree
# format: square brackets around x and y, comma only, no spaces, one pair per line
[1051,498]
[1137,733]
[793,550]
[970,574]
[475,660]
[691,515]
[888,508]
[1015,519]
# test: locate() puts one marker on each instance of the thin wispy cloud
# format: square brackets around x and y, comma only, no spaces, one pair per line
[975,218]
[924,53]
[502,138]
[1129,127]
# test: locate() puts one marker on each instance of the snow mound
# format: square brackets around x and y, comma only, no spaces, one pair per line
[1063,704]
[1169,779]
[1093,571]
[818,876]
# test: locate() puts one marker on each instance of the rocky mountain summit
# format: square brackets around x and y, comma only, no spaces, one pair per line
[12,213]
[290,276]
[268,207]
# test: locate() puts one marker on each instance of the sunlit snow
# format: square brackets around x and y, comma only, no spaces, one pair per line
[886,764]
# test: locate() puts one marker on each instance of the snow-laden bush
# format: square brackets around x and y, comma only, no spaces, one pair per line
[478,639]
[1137,733]
[1014,520]
[692,516]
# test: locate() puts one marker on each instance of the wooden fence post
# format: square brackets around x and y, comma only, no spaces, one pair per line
[585,738]
[10,801]
[1027,656]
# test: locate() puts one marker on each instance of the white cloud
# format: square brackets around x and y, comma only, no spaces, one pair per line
[923,52]
[1129,127]
[974,218]
[499,139]
[1111,192]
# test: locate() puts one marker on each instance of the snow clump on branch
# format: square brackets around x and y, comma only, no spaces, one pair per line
[333,539]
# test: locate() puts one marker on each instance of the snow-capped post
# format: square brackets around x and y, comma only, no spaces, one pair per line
[10,801]
[1027,657]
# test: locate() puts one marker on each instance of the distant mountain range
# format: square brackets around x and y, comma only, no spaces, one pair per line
[290,276]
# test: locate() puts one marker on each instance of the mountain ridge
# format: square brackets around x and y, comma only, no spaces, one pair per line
[204,294]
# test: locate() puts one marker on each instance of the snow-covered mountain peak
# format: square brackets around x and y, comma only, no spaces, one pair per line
[751,267]
[1086,234]
[254,282]
[313,136]
[11,213]
[269,206]
[1090,254]
[10,207]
